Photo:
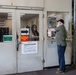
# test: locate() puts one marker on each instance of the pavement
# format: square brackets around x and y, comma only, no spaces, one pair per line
[50,71]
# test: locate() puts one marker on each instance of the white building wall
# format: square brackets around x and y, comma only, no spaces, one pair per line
[53,5]
[58,5]
[33,3]
[5,2]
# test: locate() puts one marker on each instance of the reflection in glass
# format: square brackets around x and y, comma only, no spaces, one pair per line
[51,22]
[52,18]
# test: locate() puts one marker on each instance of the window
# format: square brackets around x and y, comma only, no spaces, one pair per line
[29,27]
[5,27]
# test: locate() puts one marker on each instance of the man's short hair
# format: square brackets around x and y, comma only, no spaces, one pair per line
[61,20]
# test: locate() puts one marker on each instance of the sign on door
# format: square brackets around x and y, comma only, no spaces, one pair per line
[29,47]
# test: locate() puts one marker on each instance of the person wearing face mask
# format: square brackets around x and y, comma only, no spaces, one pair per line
[61,45]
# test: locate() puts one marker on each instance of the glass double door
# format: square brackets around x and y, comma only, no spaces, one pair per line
[21,41]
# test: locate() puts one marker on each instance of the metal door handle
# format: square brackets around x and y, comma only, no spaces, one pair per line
[18,43]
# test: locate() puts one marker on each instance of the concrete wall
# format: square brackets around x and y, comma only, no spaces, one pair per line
[33,3]
[53,5]
[58,5]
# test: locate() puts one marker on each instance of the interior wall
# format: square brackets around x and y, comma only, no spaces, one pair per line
[23,23]
[33,21]
[30,22]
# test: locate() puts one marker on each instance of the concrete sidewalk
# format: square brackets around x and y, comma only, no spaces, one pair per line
[51,71]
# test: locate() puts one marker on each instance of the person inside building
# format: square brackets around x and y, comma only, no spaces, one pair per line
[35,33]
[61,44]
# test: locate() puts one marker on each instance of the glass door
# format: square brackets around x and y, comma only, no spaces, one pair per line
[29,32]
[7,41]
[50,46]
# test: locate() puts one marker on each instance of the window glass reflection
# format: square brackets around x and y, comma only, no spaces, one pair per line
[52,18]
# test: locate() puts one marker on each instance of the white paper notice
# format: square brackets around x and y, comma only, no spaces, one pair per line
[29,47]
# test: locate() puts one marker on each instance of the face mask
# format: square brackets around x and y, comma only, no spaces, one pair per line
[58,25]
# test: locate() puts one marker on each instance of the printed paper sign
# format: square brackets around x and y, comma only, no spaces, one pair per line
[24,38]
[29,47]
[24,31]
[7,38]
